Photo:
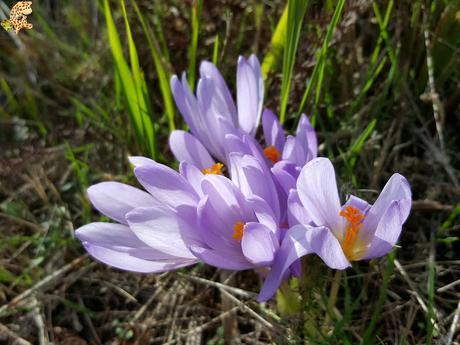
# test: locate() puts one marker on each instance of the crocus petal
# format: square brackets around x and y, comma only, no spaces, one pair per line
[244,144]
[117,246]
[297,214]
[294,152]
[193,175]
[286,174]
[396,189]
[253,178]
[221,260]
[186,147]
[223,95]
[115,199]
[249,95]
[217,121]
[306,136]
[388,231]
[162,229]
[216,226]
[273,131]
[255,64]
[299,241]
[259,244]
[166,185]
[317,190]
[186,103]
[264,214]
[358,203]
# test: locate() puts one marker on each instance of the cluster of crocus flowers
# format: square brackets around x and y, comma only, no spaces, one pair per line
[234,203]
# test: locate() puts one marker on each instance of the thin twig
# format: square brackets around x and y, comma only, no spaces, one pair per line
[454,325]
[414,291]
[434,96]
[9,337]
[233,290]
[43,283]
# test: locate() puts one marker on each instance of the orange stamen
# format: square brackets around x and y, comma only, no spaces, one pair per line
[272,153]
[215,169]
[354,219]
[238,230]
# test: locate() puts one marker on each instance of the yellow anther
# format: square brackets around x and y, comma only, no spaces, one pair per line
[238,230]
[272,153]
[354,219]
[215,169]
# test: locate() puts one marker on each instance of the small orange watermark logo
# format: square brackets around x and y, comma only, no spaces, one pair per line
[18,17]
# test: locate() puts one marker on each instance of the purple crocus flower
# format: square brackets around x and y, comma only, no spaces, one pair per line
[153,230]
[212,113]
[297,150]
[338,234]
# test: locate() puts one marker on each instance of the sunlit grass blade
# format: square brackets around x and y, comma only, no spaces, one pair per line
[296,12]
[317,77]
[160,66]
[196,13]
[274,54]
[132,83]
[376,314]
[215,50]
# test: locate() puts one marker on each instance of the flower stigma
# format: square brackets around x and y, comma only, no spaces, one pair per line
[238,230]
[354,219]
[272,153]
[215,169]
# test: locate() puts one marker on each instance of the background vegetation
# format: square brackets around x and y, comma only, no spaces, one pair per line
[88,86]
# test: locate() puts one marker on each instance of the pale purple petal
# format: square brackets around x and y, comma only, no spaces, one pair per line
[217,120]
[317,190]
[294,152]
[273,131]
[259,244]
[166,185]
[396,189]
[299,241]
[193,175]
[216,226]
[117,246]
[358,203]
[249,96]
[297,214]
[221,260]
[255,64]
[223,95]
[264,214]
[306,137]
[115,199]
[387,233]
[186,147]
[286,174]
[162,230]
[186,102]
[253,178]
[244,144]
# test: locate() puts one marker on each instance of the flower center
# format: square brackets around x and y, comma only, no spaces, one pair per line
[238,230]
[354,219]
[215,169]
[272,153]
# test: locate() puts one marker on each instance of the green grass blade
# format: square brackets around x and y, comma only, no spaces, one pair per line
[160,66]
[318,71]
[369,333]
[132,84]
[196,13]
[295,15]
[274,54]
[215,50]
